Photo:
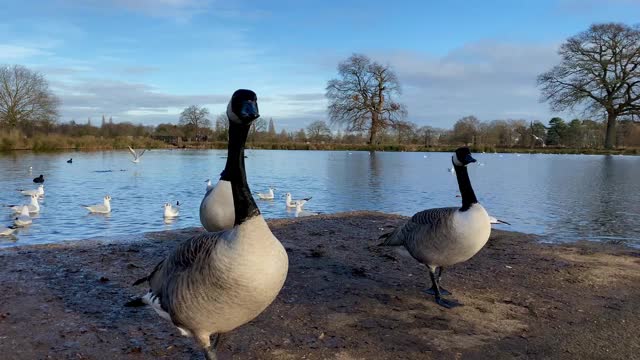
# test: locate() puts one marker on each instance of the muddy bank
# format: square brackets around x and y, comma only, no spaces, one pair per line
[344,298]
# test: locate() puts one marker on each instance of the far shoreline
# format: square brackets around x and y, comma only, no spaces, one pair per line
[336,147]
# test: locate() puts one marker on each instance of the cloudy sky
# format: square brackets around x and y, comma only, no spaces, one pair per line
[145,60]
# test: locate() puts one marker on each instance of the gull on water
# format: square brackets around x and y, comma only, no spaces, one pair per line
[39,191]
[23,219]
[103,208]
[294,203]
[269,195]
[170,211]
[302,213]
[33,207]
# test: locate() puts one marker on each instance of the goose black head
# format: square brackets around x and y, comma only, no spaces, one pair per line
[462,157]
[243,107]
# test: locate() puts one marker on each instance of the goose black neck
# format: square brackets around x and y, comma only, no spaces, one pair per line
[234,172]
[466,191]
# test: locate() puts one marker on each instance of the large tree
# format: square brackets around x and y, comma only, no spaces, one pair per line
[318,131]
[25,98]
[599,70]
[195,117]
[362,98]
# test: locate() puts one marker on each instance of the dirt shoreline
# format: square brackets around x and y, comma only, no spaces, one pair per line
[345,298]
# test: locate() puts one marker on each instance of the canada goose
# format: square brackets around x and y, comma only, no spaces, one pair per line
[217,281]
[70,161]
[170,211]
[294,203]
[103,208]
[33,207]
[39,191]
[269,195]
[23,219]
[445,236]
[216,207]
[136,155]
[39,179]
[7,231]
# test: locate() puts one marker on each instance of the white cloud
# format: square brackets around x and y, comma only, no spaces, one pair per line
[13,53]
[489,79]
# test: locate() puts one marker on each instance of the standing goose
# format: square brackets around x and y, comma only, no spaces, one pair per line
[215,282]
[445,236]
[216,208]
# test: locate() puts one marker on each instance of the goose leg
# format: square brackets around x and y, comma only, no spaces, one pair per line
[432,290]
[208,349]
[439,300]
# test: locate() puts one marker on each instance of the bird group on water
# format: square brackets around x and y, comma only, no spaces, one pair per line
[25,212]
[214,282]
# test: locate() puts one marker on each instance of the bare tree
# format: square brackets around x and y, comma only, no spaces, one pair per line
[600,71]
[318,131]
[363,96]
[222,127]
[467,129]
[195,117]
[25,97]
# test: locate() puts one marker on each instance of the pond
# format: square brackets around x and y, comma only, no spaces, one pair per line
[564,197]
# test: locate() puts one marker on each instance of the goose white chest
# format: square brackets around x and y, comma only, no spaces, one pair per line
[216,209]
[471,232]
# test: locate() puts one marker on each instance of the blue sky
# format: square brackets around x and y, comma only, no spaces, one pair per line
[145,60]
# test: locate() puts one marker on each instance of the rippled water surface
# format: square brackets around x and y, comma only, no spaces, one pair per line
[568,197]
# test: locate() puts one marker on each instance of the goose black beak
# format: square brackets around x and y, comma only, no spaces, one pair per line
[249,110]
[469,159]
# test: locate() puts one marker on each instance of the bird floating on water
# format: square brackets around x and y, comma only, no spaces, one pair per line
[39,179]
[8,231]
[170,211]
[70,161]
[39,191]
[103,208]
[269,195]
[33,207]
[23,219]
[303,213]
[294,203]
[209,185]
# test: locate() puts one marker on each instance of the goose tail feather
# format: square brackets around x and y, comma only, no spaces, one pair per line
[392,238]
[137,302]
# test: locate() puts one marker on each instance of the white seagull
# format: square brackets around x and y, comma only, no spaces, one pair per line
[7,231]
[302,213]
[209,185]
[136,156]
[268,195]
[171,212]
[103,208]
[294,203]
[33,207]
[23,219]
[39,191]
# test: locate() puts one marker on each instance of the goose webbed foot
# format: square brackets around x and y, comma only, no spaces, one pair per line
[432,291]
[438,291]
[449,304]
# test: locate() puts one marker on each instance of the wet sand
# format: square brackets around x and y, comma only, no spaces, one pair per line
[344,298]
